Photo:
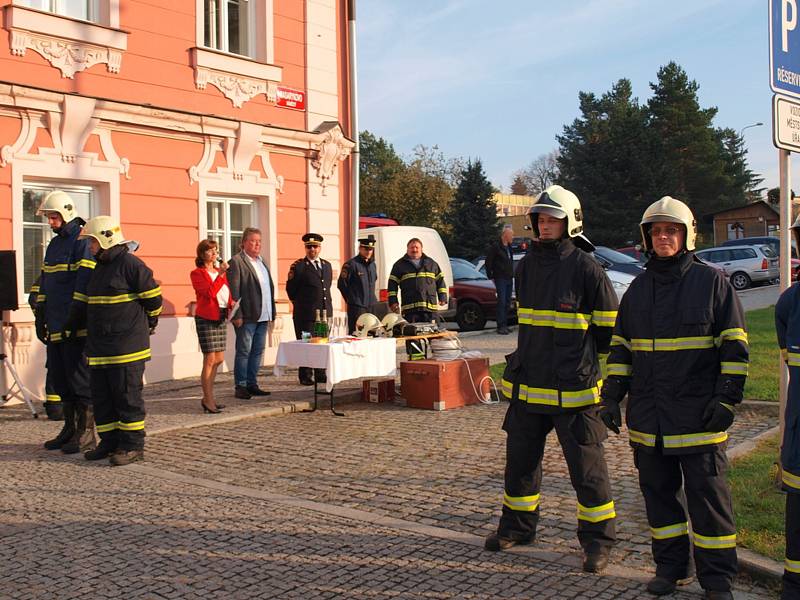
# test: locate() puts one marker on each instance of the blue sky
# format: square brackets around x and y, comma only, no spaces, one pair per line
[499,80]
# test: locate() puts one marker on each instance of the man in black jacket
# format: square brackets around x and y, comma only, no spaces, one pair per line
[251,286]
[420,283]
[500,268]
[309,288]
[567,308]
[357,281]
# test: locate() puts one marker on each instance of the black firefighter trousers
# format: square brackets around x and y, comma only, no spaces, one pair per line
[708,499]
[119,406]
[68,371]
[581,436]
[791,572]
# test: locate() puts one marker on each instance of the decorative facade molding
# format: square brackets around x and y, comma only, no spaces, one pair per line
[332,148]
[238,78]
[68,44]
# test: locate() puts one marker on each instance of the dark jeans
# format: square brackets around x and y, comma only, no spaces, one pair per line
[251,338]
[504,287]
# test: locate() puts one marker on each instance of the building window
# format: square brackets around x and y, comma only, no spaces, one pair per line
[36,233]
[227,26]
[86,10]
[227,218]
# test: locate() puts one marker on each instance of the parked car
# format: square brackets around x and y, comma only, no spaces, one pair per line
[634,252]
[480,262]
[771,241]
[476,296]
[520,244]
[611,259]
[745,264]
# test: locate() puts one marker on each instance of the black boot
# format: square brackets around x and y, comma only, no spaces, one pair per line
[67,431]
[83,438]
[126,457]
[106,447]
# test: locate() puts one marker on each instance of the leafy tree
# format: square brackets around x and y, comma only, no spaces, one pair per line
[541,173]
[381,172]
[472,215]
[428,185]
[774,196]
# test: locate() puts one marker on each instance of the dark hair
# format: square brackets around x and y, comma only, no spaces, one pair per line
[248,231]
[412,240]
[202,248]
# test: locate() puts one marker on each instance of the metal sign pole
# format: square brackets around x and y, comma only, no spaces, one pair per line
[784,165]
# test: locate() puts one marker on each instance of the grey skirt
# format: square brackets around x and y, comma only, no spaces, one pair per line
[212,334]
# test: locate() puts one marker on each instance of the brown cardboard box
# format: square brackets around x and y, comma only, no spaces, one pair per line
[377,390]
[442,385]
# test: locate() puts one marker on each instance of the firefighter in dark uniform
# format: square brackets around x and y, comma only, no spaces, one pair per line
[787,326]
[67,267]
[357,281]
[52,401]
[567,308]
[124,302]
[420,283]
[309,288]
[680,353]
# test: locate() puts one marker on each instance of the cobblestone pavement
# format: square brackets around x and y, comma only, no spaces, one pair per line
[387,502]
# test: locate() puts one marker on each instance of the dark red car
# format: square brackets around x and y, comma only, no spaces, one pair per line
[476,296]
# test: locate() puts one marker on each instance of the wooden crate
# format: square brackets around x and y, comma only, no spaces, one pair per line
[442,385]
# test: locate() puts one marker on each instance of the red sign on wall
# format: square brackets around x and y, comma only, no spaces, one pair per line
[289,98]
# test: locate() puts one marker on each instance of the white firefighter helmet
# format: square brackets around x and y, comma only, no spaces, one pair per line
[105,230]
[561,204]
[367,324]
[60,202]
[391,320]
[668,210]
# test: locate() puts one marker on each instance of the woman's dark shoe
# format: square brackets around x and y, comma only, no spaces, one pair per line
[212,411]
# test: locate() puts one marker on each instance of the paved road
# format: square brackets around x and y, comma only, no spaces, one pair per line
[387,502]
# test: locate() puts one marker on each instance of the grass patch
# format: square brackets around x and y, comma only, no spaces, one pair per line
[757,503]
[763,380]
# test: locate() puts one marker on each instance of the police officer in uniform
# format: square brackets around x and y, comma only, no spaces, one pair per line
[357,281]
[787,325]
[124,302]
[567,308]
[680,353]
[68,265]
[309,288]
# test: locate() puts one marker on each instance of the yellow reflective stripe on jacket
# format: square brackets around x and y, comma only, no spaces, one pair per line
[521,503]
[156,312]
[442,290]
[41,298]
[58,336]
[553,318]
[34,289]
[618,340]
[604,318]
[645,439]
[549,396]
[84,262]
[156,291]
[619,369]
[133,426]
[595,514]
[791,480]
[423,304]
[669,531]
[689,440]
[702,342]
[55,268]
[414,275]
[734,368]
[394,278]
[52,397]
[113,299]
[105,427]
[793,357]
[80,297]
[793,566]
[118,360]
[733,334]
[714,542]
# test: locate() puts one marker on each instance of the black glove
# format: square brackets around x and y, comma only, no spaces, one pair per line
[41,330]
[717,416]
[153,323]
[611,415]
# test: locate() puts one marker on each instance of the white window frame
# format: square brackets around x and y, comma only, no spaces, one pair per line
[59,7]
[224,232]
[219,26]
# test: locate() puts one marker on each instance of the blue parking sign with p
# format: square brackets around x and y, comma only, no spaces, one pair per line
[784,47]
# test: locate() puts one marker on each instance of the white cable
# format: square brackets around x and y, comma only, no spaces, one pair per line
[443,349]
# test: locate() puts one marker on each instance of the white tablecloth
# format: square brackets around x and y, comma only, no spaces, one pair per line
[372,357]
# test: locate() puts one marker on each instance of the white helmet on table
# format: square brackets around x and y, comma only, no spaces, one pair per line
[390,321]
[368,324]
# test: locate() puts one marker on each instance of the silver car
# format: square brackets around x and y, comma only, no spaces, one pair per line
[745,264]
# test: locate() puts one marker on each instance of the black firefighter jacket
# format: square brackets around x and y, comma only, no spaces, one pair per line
[567,308]
[357,282]
[123,304]
[420,288]
[679,344]
[67,267]
[309,290]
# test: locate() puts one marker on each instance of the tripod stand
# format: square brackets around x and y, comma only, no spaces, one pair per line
[20,390]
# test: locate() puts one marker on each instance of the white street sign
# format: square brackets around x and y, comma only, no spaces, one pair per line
[786,123]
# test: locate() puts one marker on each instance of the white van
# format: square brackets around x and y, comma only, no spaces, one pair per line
[390,246]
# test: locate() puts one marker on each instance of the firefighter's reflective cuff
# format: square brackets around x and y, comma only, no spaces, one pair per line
[793,566]
[734,334]
[521,503]
[52,398]
[80,297]
[790,479]
[669,531]
[156,312]
[792,358]
[734,368]
[595,514]
[604,318]
[714,542]
[619,369]
[618,340]
[59,336]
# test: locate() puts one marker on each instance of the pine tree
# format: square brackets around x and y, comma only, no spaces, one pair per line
[472,215]
[518,185]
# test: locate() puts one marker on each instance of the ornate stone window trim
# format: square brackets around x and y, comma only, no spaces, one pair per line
[238,78]
[70,45]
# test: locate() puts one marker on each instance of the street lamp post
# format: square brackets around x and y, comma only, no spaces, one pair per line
[741,131]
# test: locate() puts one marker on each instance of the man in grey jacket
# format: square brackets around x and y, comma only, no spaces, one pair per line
[251,286]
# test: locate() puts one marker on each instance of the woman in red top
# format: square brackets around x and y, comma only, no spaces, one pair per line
[213,303]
